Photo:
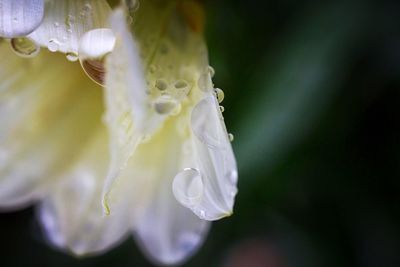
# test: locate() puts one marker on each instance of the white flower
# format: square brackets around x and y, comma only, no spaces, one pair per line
[159,165]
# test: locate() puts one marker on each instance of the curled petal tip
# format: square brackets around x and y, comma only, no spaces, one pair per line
[106,207]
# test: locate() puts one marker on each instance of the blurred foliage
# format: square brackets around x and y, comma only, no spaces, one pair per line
[313,99]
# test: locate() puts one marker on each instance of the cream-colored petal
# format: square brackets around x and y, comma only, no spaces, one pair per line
[46,116]
[214,162]
[67,20]
[178,75]
[128,116]
[140,101]
[167,232]
[20,17]
[71,213]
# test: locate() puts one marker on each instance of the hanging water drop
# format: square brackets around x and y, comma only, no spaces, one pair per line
[231,137]
[188,187]
[24,47]
[72,56]
[53,45]
[211,71]
[94,69]
[94,45]
[220,95]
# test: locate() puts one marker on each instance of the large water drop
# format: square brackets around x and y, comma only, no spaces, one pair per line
[24,47]
[165,104]
[206,125]
[94,69]
[188,187]
[94,45]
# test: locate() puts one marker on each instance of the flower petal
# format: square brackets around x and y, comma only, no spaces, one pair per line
[72,213]
[66,21]
[127,107]
[208,187]
[45,117]
[20,17]
[167,232]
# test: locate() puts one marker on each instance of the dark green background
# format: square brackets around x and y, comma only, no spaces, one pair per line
[313,99]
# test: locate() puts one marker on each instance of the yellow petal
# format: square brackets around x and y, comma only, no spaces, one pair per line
[46,116]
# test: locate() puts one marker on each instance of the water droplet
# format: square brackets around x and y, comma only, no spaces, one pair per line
[152,68]
[231,137]
[87,7]
[188,187]
[53,45]
[94,69]
[132,5]
[56,24]
[222,108]
[24,47]
[204,82]
[165,104]
[94,45]
[181,84]
[220,95]
[211,71]
[97,43]
[206,124]
[161,84]
[72,56]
